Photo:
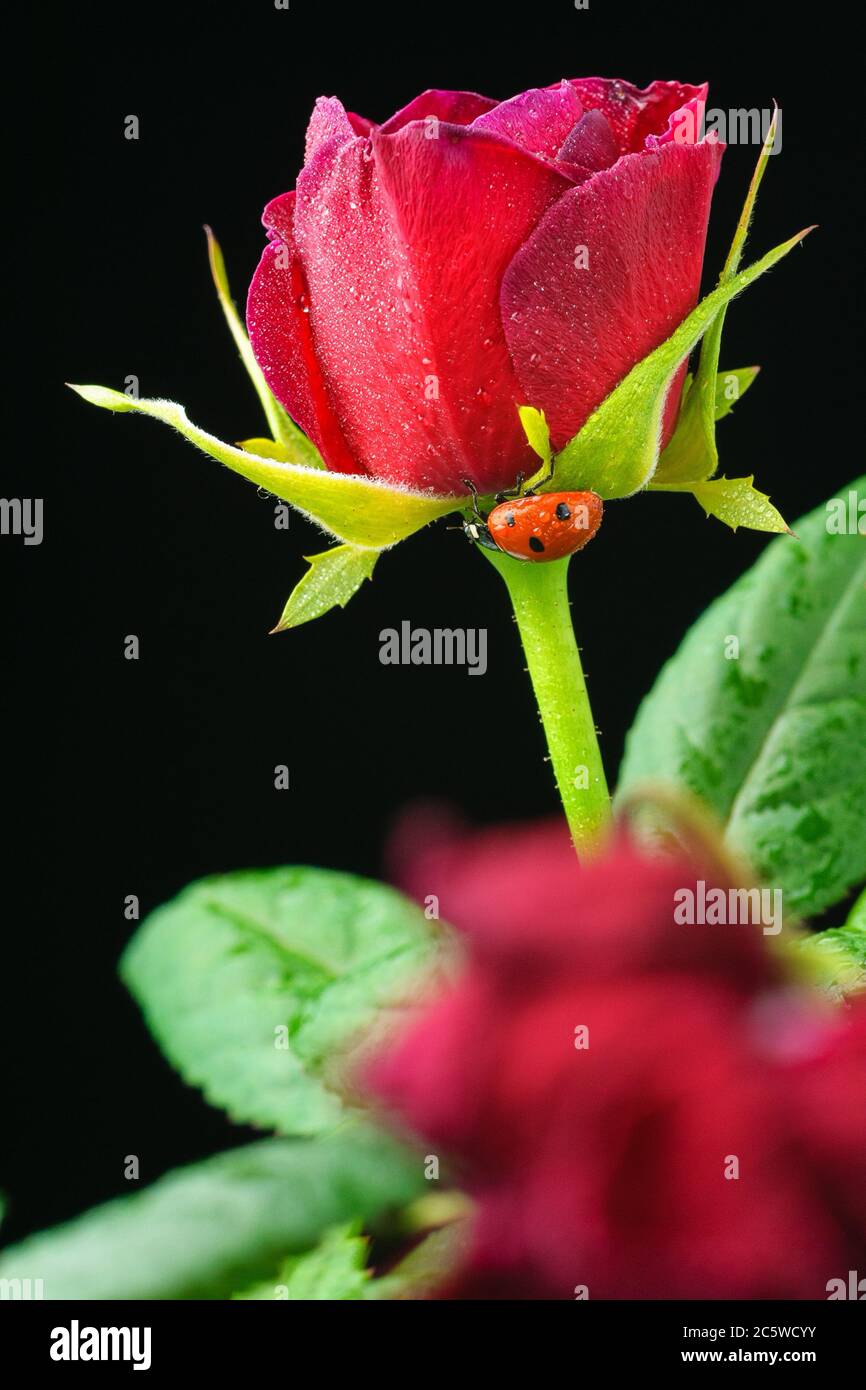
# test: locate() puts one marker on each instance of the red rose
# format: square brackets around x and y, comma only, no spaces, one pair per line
[704,1137]
[430,275]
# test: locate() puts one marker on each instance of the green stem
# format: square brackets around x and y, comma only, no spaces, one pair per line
[539,595]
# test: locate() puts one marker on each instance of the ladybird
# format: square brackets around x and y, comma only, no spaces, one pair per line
[546,526]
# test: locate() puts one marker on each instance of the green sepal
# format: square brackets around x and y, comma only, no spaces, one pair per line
[691,454]
[538,438]
[354,508]
[616,452]
[536,431]
[685,458]
[731,386]
[735,501]
[333,577]
[298,448]
[266,449]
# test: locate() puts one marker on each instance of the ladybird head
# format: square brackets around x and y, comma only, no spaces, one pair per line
[476,531]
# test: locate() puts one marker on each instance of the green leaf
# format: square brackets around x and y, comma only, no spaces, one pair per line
[838,956]
[761,714]
[298,448]
[333,1270]
[830,964]
[735,501]
[257,984]
[692,454]
[616,451]
[333,577]
[353,507]
[212,1228]
[852,936]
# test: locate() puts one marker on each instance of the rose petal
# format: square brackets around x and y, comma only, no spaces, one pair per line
[403,295]
[278,217]
[574,333]
[589,146]
[278,323]
[360,124]
[683,127]
[538,120]
[634,113]
[457,108]
[329,124]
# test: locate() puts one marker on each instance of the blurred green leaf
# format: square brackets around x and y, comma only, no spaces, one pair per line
[256,984]
[333,1270]
[761,714]
[426,1267]
[839,954]
[209,1229]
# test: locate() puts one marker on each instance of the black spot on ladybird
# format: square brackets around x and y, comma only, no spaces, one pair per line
[509,519]
[536,544]
[563,511]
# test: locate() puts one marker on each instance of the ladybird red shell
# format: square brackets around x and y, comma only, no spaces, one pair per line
[545,527]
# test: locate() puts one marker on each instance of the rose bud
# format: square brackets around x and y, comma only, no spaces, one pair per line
[430,275]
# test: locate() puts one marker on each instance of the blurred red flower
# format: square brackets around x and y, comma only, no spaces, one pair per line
[641,1109]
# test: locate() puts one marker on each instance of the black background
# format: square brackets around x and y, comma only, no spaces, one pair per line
[136,777]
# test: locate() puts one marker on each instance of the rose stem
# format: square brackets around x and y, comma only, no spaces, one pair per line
[539,596]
